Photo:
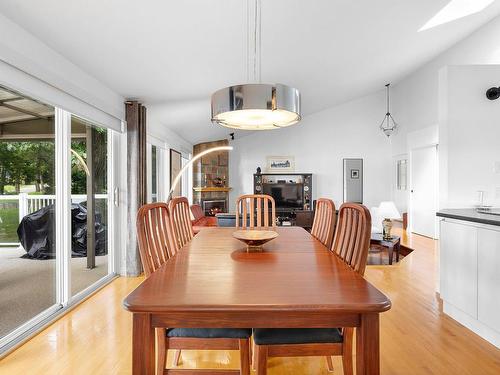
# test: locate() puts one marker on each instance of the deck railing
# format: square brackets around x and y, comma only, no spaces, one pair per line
[28,204]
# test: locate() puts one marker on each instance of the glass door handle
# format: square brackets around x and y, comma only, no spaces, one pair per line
[116,197]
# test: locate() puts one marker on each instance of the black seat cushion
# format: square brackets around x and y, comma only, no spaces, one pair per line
[276,336]
[211,333]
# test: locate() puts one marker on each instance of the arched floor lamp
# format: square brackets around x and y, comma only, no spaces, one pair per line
[190,162]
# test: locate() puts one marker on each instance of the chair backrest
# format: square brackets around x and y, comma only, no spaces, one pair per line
[197,212]
[324,221]
[181,220]
[352,236]
[154,232]
[254,211]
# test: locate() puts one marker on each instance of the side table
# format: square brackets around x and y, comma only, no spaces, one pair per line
[394,244]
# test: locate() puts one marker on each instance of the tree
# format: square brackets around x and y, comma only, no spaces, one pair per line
[42,165]
[19,165]
[78,175]
[33,163]
[4,166]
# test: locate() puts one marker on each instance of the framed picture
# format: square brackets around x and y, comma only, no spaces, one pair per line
[175,168]
[353,180]
[280,163]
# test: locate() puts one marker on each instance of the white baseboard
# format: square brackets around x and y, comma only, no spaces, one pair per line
[480,329]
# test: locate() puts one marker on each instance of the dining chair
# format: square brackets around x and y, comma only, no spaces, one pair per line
[157,244]
[351,244]
[254,211]
[155,236]
[197,212]
[324,221]
[181,220]
[199,220]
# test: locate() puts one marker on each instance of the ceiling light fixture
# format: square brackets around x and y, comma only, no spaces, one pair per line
[454,10]
[388,125]
[256,106]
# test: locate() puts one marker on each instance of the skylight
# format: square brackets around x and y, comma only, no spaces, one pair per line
[454,10]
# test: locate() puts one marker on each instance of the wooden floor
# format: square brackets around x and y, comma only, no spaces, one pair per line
[416,338]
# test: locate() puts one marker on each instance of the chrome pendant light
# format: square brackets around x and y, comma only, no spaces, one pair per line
[256,106]
[388,125]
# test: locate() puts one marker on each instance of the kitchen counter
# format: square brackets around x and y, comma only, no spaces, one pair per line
[470,214]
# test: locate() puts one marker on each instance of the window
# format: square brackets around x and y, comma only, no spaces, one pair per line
[154,174]
[402,174]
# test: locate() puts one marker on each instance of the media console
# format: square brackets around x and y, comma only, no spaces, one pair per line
[292,193]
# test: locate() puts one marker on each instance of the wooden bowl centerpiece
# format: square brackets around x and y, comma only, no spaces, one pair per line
[255,238]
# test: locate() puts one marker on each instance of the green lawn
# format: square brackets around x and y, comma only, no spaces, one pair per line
[9,221]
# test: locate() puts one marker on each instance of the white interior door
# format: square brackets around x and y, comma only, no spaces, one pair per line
[423,191]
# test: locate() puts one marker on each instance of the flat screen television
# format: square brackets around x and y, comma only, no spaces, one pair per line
[285,195]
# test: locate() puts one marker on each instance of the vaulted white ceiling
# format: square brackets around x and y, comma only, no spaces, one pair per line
[173,55]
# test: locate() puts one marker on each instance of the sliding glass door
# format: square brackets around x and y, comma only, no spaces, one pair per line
[89,204]
[27,207]
[56,211]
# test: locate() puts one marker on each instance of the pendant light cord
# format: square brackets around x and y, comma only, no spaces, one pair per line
[255,42]
[254,54]
[260,40]
[388,98]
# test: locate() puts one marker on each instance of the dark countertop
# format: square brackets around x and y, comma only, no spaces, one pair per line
[470,214]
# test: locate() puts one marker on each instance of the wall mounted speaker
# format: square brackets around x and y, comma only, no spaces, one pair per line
[493,93]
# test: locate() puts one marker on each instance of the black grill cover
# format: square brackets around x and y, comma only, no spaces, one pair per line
[36,233]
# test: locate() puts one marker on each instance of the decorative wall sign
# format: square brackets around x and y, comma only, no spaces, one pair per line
[280,163]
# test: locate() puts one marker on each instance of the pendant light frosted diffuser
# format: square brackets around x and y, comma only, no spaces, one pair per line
[256,106]
[388,125]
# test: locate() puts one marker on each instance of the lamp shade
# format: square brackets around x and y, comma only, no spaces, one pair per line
[256,106]
[388,210]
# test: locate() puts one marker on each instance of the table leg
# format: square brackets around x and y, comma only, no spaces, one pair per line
[398,249]
[143,345]
[391,253]
[368,345]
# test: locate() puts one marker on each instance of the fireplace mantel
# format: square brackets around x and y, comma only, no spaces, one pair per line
[210,189]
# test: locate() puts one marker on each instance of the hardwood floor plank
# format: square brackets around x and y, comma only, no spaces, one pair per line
[416,337]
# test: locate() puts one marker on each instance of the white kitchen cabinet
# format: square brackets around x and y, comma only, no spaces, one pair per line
[470,275]
[458,264]
[489,277]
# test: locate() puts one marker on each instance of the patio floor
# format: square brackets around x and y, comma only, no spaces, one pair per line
[27,286]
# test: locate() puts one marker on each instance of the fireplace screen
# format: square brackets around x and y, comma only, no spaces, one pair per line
[212,207]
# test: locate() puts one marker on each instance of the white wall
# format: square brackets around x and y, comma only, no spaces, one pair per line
[470,136]
[26,53]
[169,139]
[319,143]
[416,98]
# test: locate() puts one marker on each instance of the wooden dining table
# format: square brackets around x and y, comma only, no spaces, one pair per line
[295,282]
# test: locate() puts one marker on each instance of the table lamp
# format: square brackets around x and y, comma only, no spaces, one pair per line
[388,211]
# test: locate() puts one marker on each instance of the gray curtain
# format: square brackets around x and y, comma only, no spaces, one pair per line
[136,179]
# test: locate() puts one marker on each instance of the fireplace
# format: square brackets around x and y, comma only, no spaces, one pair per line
[212,207]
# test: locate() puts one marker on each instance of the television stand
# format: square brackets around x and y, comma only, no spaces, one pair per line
[292,193]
